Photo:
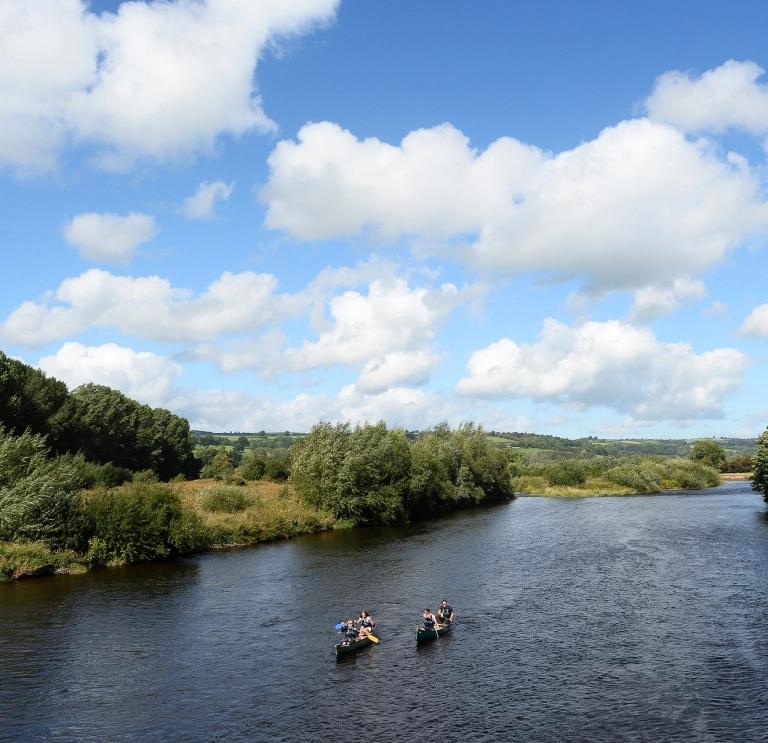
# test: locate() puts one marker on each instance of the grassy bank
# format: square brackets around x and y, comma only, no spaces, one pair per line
[215,515]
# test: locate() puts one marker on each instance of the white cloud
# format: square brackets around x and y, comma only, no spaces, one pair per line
[144,376]
[392,317]
[157,79]
[756,325]
[609,364]
[640,205]
[728,96]
[716,308]
[653,301]
[202,205]
[148,307]
[389,333]
[109,238]
[230,410]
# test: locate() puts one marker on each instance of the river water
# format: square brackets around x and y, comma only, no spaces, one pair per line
[605,619]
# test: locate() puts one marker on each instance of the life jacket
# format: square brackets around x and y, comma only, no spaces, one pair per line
[429,623]
[350,633]
[365,622]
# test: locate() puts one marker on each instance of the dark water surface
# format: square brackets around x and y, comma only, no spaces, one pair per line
[606,619]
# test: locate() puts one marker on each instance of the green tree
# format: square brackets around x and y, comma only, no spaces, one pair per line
[40,497]
[28,398]
[708,452]
[360,475]
[760,465]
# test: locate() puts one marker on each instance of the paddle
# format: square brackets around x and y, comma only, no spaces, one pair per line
[340,625]
[373,639]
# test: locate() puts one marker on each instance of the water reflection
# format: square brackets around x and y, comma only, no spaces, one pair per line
[597,620]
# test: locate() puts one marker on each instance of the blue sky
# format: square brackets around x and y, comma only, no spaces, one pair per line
[541,217]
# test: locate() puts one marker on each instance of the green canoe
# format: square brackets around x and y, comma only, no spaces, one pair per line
[431,634]
[347,647]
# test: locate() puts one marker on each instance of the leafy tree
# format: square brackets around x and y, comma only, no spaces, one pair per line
[219,468]
[28,398]
[360,475]
[708,452]
[39,497]
[760,464]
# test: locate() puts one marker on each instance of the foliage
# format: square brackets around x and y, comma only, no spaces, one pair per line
[219,468]
[708,452]
[737,464]
[372,475]
[277,469]
[106,426]
[28,398]
[359,475]
[31,559]
[143,522]
[253,468]
[223,499]
[760,464]
[39,497]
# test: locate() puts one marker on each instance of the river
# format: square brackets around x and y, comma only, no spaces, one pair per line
[602,619]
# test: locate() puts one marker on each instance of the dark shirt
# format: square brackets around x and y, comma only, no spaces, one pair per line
[445,612]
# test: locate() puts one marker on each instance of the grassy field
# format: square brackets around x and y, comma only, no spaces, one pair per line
[257,512]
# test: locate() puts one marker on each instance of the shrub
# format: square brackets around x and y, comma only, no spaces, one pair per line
[219,468]
[760,462]
[40,497]
[142,523]
[223,499]
[737,464]
[253,469]
[566,472]
[530,484]
[636,476]
[277,469]
[708,452]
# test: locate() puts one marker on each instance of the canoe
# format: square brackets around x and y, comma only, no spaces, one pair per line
[347,647]
[432,634]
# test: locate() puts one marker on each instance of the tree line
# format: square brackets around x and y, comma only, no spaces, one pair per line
[104,425]
[372,475]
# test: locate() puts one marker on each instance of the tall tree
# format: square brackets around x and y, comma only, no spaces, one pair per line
[760,464]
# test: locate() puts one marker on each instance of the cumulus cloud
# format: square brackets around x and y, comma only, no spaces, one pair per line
[109,238]
[202,205]
[609,364]
[144,376]
[653,301]
[389,332]
[728,96]
[640,205]
[756,325]
[154,79]
[148,307]
[231,410]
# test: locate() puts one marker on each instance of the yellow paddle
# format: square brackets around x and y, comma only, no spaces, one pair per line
[372,638]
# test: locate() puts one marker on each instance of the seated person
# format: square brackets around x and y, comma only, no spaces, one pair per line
[366,623]
[445,613]
[349,631]
[429,619]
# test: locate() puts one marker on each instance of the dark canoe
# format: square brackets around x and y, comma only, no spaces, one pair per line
[431,634]
[345,648]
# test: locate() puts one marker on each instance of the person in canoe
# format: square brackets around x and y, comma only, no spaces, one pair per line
[444,613]
[366,623]
[350,631]
[429,619]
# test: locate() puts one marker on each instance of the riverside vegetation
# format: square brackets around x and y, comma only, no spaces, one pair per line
[92,477]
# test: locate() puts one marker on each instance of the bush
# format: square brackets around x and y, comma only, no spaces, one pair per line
[566,472]
[737,464]
[142,523]
[253,469]
[708,452]
[223,499]
[277,470]
[219,468]
[40,497]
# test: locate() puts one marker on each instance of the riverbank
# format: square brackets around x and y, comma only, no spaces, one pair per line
[597,487]
[230,515]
